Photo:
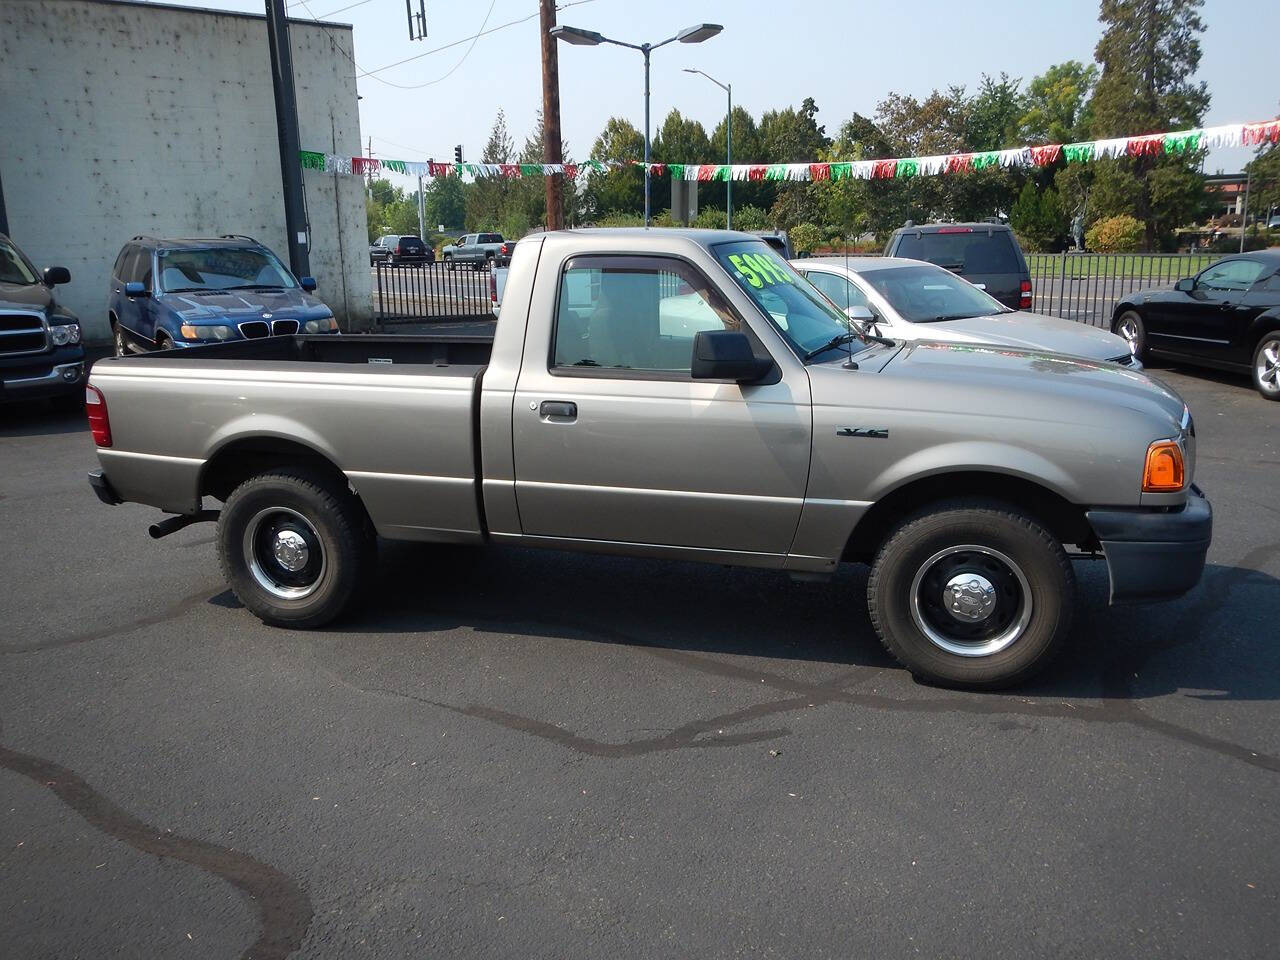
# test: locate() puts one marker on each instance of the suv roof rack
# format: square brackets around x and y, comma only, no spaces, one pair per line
[236,236]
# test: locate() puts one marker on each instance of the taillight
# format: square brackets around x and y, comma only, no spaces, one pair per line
[95,406]
[400,248]
[1024,295]
[493,288]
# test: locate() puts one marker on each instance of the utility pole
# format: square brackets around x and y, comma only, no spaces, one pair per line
[295,208]
[551,150]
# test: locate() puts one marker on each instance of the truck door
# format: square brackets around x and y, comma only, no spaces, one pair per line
[614,441]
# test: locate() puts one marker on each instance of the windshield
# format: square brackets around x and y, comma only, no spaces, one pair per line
[963,249]
[806,318]
[221,268]
[925,294]
[14,267]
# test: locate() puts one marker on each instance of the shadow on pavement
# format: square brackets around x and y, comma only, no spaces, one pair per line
[42,418]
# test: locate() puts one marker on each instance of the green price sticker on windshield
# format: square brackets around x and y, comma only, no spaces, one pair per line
[759,270]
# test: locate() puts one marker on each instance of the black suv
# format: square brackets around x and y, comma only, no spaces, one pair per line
[985,254]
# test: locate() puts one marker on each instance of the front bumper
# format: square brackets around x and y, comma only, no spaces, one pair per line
[1154,555]
[38,376]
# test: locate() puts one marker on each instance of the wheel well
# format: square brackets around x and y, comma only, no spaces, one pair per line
[1065,520]
[112,319]
[242,459]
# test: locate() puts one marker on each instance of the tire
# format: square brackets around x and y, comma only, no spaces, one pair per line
[1129,326]
[448,261]
[295,547]
[1015,569]
[117,340]
[163,341]
[1266,366]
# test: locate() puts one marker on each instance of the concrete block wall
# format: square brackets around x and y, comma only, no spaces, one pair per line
[123,118]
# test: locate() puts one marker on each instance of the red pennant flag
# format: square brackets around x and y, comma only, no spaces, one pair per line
[1149,146]
[510,170]
[756,171]
[365,165]
[1043,156]
[1255,134]
[819,171]
[571,170]
[707,171]
[958,162]
[439,169]
[884,169]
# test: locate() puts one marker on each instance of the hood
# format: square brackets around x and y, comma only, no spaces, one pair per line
[1055,388]
[237,306]
[25,296]
[1032,331]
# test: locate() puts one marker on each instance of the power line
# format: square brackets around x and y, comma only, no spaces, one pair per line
[350,6]
[474,41]
[455,43]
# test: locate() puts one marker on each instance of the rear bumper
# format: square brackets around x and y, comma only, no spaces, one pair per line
[1154,555]
[102,487]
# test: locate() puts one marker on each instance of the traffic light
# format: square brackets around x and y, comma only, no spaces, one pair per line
[457,154]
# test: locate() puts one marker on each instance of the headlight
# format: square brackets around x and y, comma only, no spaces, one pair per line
[191,331]
[64,333]
[323,325]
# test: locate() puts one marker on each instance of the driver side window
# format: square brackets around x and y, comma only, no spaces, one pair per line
[839,290]
[1230,275]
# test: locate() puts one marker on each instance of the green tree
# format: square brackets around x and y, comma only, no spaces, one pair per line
[1149,52]
[445,199]
[1037,217]
[806,237]
[793,136]
[487,198]
[747,148]
[679,140]
[1056,107]
[1264,191]
[610,191]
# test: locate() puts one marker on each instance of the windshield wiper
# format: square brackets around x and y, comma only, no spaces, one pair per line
[840,339]
[256,286]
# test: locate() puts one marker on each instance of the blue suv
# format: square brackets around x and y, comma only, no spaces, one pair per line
[179,293]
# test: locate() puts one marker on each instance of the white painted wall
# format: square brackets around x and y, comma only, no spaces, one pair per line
[121,118]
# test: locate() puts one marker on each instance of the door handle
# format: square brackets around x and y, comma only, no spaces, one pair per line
[558,411]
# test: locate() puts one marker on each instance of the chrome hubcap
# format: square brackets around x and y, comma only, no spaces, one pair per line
[971,600]
[284,553]
[1269,367]
[1129,330]
[969,597]
[291,550]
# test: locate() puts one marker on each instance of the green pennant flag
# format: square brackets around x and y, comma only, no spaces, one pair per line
[723,172]
[1182,142]
[841,171]
[396,165]
[596,165]
[530,169]
[677,170]
[311,160]
[1078,152]
[776,171]
[983,160]
[906,168]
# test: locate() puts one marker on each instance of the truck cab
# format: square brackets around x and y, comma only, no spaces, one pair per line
[41,355]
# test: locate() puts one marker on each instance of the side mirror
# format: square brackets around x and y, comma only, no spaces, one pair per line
[860,314]
[307,283]
[1185,285]
[56,275]
[726,355]
[134,289]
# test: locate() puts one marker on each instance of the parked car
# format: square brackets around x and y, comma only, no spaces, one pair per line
[678,394]
[396,250]
[920,301]
[40,350]
[177,293]
[1226,316]
[477,249]
[1273,223]
[780,240]
[985,254]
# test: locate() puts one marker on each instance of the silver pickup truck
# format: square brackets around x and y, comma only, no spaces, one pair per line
[676,394]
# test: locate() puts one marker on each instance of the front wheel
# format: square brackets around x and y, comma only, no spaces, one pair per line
[448,262]
[295,547]
[971,594]
[1266,366]
[117,340]
[1130,327]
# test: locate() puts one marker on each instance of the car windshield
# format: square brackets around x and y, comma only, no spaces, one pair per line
[14,267]
[221,268]
[927,294]
[806,318]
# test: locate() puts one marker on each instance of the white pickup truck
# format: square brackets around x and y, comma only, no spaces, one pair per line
[679,394]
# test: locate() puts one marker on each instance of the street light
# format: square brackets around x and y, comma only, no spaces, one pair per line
[589,38]
[728,146]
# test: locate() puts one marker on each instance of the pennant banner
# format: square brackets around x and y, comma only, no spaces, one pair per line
[1146,145]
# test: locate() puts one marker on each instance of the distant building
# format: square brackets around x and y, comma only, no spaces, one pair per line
[1227,190]
[123,118]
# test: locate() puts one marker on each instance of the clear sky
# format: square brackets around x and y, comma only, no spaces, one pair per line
[846,55]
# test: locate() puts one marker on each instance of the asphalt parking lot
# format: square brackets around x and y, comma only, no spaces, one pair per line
[528,754]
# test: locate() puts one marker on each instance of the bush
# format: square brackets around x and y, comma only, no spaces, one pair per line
[1037,219]
[751,218]
[806,237]
[1122,234]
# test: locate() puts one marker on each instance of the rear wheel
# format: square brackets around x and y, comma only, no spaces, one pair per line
[163,341]
[1266,366]
[448,261]
[117,340]
[971,594]
[1129,325]
[295,547]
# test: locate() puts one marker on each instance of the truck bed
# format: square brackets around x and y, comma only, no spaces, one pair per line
[437,349]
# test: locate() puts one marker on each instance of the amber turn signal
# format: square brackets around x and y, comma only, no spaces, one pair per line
[1164,472]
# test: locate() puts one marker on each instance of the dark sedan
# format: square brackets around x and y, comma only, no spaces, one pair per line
[1227,316]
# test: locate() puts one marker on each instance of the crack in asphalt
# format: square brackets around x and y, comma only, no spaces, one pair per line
[283,906]
[185,605]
